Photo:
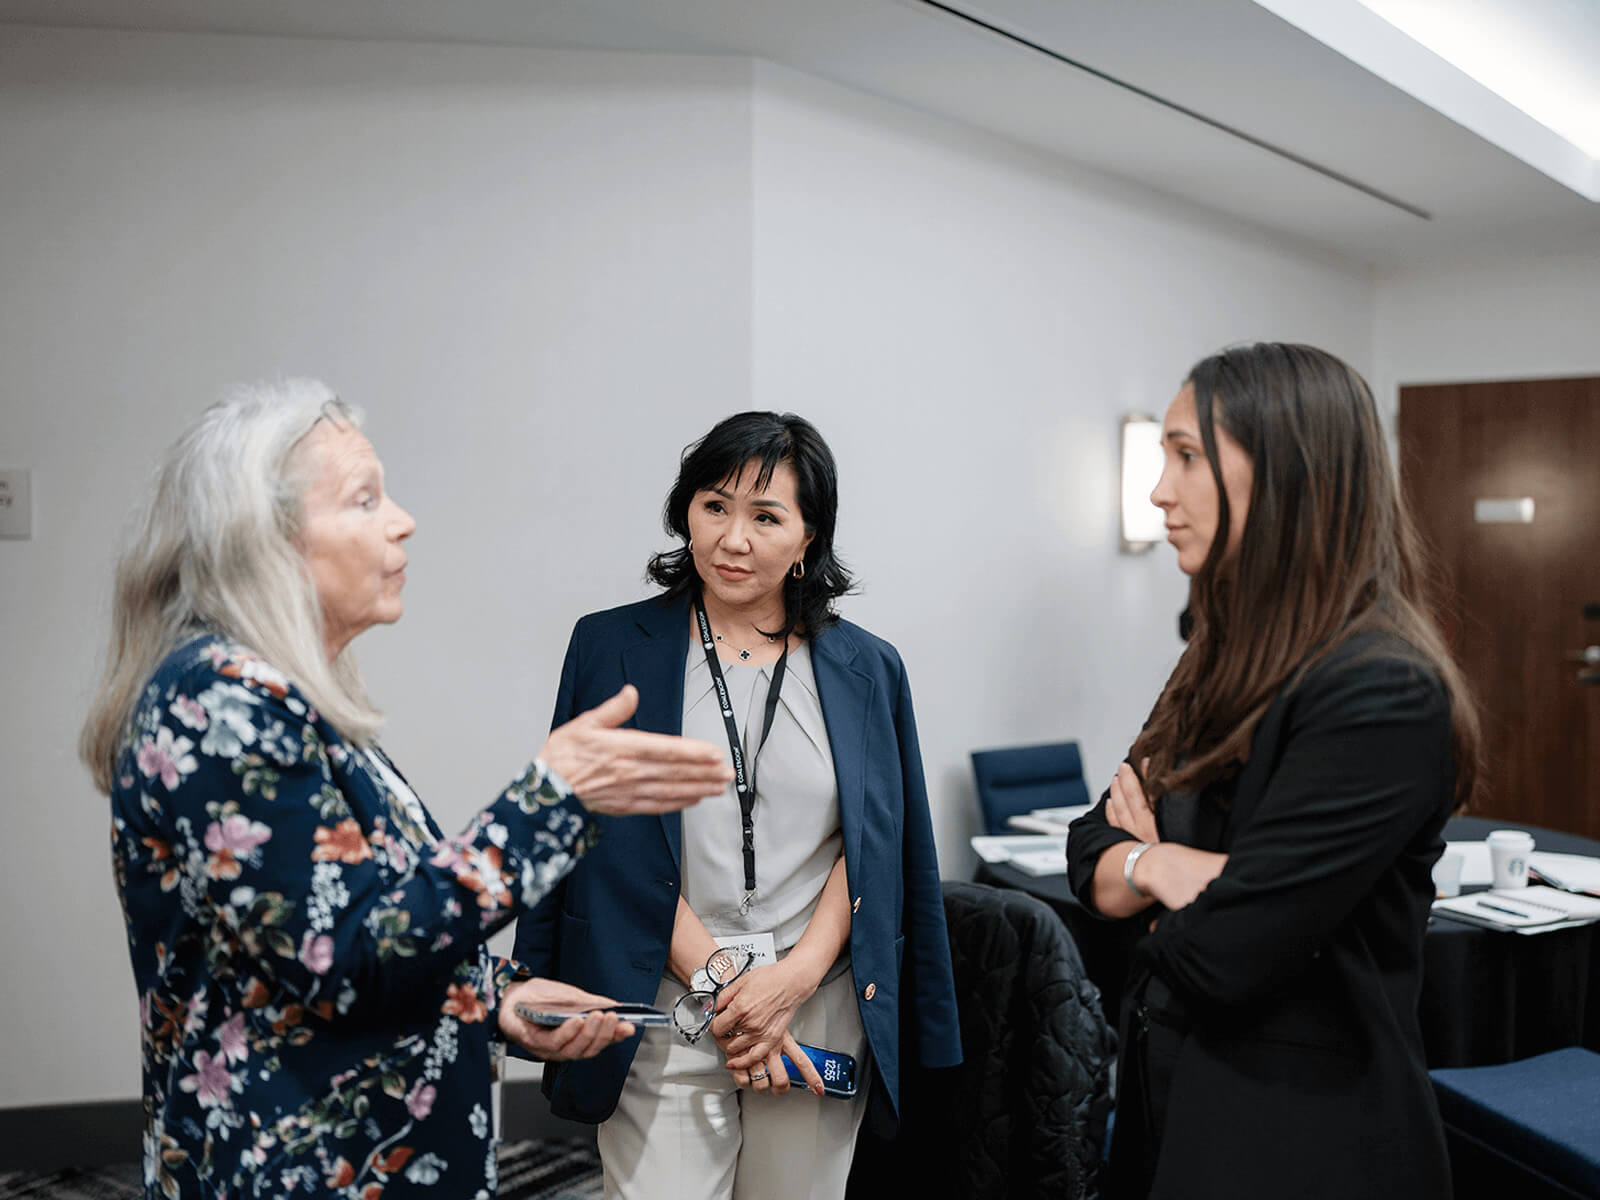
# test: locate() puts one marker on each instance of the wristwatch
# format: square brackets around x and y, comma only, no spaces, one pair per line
[1127,869]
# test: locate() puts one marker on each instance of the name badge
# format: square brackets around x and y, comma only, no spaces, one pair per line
[763,947]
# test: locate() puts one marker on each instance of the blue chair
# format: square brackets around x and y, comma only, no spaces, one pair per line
[1528,1129]
[1019,779]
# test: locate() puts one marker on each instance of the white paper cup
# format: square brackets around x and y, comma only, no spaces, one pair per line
[1508,857]
[1447,874]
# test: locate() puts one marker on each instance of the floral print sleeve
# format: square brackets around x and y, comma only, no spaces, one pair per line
[291,921]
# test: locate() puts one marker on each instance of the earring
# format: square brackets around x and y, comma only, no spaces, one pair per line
[690,546]
[799,569]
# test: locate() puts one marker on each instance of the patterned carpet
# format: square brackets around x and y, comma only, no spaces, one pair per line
[553,1169]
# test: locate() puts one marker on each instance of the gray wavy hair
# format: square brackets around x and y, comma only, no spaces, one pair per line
[215,551]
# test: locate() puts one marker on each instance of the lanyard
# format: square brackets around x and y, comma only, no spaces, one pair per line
[744,781]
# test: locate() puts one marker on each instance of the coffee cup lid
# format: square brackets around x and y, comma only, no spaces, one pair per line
[1510,835]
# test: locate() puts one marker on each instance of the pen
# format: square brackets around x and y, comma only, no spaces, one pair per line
[1510,912]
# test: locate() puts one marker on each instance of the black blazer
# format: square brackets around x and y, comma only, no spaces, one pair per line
[1271,1044]
[607,927]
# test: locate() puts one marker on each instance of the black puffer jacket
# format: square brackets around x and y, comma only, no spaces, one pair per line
[1024,1116]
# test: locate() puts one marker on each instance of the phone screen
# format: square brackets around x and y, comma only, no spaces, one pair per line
[838,1071]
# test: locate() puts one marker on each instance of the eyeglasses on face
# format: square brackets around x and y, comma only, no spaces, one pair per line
[693,1012]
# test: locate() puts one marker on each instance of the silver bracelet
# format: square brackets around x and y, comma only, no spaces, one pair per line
[1127,869]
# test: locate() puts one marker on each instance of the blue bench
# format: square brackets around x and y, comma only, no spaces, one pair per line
[1524,1129]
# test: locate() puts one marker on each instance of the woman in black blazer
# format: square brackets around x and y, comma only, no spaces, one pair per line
[1281,826]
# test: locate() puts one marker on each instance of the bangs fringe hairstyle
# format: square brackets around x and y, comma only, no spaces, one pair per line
[768,439]
[1328,551]
[214,551]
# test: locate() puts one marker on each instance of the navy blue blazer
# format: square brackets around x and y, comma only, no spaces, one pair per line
[608,926]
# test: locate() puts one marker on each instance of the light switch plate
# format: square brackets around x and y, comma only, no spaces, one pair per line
[16,505]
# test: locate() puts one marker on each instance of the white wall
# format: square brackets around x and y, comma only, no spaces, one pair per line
[542,273]
[532,269]
[1488,317]
[967,322]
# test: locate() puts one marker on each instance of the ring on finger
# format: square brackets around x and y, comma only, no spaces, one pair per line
[756,1078]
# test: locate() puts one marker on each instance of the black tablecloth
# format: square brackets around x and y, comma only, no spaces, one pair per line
[1487,996]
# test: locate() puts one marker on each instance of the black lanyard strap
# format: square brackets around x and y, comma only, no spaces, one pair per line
[744,781]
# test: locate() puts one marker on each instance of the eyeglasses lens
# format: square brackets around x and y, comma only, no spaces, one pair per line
[693,1012]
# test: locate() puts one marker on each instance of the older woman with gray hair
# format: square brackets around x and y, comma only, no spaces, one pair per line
[318,1006]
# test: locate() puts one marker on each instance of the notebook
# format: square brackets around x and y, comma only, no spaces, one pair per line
[1529,909]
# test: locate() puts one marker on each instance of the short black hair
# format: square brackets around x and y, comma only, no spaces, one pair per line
[770,438]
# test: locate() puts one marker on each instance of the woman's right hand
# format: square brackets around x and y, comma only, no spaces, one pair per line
[576,1037]
[1128,809]
[624,772]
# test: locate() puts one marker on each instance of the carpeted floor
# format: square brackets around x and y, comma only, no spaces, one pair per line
[552,1169]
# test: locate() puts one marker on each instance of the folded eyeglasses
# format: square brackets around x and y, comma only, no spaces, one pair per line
[692,1014]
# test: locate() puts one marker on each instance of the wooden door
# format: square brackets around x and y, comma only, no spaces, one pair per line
[1512,595]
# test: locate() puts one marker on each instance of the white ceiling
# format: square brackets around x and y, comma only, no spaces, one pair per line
[1538,54]
[1218,102]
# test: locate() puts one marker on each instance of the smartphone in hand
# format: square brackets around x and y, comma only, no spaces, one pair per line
[838,1071]
[636,1014]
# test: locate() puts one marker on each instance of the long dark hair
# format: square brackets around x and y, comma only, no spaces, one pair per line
[1328,550]
[768,438]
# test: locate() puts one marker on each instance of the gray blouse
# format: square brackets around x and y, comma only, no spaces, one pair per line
[796,815]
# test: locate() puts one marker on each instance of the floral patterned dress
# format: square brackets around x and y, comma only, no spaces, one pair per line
[316,1001]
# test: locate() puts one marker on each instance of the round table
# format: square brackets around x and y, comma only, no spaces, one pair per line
[1495,997]
[1487,996]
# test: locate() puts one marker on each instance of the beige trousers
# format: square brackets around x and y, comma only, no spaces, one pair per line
[683,1131]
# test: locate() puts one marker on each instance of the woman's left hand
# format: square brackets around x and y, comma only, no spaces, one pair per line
[772,1074]
[1127,808]
[1175,874]
[577,1037]
[753,1015]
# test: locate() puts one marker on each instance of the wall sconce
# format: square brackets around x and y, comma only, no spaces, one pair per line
[1143,524]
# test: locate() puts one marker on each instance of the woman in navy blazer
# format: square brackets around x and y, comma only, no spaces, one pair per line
[758,490]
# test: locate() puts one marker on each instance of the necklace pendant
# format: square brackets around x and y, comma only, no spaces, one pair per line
[745,654]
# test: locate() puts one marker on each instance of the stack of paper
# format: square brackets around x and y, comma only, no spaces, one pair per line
[1524,910]
[1569,872]
[1041,862]
[1007,849]
[1049,820]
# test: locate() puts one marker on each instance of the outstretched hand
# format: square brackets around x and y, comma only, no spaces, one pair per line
[622,772]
